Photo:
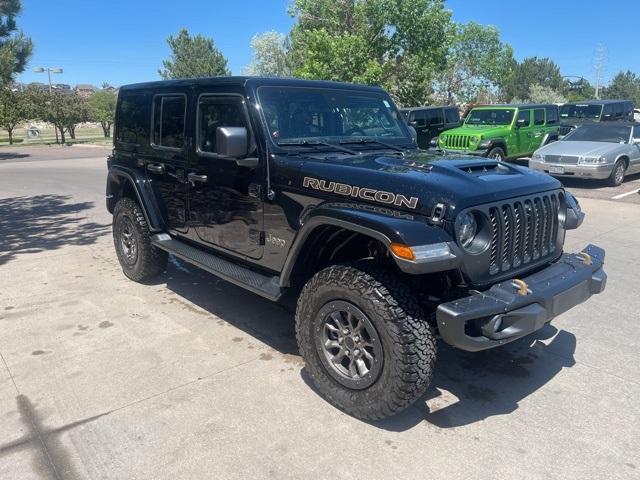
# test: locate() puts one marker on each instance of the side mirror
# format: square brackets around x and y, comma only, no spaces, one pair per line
[413,133]
[232,142]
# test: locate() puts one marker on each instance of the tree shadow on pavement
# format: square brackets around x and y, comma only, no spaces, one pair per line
[44,222]
[12,155]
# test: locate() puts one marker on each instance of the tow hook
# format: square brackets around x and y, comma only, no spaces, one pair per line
[586,258]
[521,286]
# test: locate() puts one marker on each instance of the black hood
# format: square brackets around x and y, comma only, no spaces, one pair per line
[456,181]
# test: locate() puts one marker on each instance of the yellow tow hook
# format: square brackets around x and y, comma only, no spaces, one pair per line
[521,285]
[586,258]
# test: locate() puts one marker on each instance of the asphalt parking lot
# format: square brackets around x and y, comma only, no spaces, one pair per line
[193,378]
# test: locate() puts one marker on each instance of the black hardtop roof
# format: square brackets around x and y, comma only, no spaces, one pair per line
[597,102]
[516,105]
[429,107]
[243,81]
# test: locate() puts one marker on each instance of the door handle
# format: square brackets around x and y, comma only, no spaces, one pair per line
[156,168]
[194,177]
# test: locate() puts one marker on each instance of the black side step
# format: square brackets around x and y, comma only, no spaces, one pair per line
[264,285]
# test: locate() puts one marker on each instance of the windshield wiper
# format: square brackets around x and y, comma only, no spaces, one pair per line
[316,143]
[364,141]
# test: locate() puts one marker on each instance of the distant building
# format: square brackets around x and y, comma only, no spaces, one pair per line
[85,90]
[61,87]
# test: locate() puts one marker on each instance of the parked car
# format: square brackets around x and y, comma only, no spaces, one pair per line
[503,131]
[593,152]
[429,122]
[318,190]
[593,111]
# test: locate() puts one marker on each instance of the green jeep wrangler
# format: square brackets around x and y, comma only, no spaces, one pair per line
[503,131]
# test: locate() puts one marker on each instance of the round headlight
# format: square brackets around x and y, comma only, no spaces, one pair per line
[466,229]
[475,139]
[443,138]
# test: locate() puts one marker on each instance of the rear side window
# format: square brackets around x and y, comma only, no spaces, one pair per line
[526,116]
[435,116]
[538,117]
[607,112]
[552,116]
[169,113]
[617,110]
[218,111]
[132,122]
[452,115]
[419,117]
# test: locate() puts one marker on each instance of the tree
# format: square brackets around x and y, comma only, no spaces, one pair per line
[544,94]
[624,86]
[476,63]
[399,44]
[193,57]
[270,55]
[15,108]
[102,106]
[532,71]
[64,111]
[15,47]
[578,90]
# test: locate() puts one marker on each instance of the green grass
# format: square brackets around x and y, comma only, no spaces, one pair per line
[47,136]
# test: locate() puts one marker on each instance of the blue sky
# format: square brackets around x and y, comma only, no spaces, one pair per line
[124,41]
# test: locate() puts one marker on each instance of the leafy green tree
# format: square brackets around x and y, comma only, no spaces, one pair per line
[578,90]
[544,94]
[532,71]
[15,47]
[398,44]
[193,57]
[15,108]
[270,55]
[477,61]
[624,86]
[102,106]
[63,110]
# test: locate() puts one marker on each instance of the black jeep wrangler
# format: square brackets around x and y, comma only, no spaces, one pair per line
[318,188]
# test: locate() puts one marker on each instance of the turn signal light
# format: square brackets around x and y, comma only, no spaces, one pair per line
[402,251]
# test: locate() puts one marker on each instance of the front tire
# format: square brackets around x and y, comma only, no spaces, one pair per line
[497,153]
[365,341]
[139,259]
[617,174]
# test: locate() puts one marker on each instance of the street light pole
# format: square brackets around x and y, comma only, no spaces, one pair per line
[49,71]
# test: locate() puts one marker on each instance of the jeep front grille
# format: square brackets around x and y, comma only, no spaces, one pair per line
[457,141]
[523,231]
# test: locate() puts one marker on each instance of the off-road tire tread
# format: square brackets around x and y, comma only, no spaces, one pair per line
[413,353]
[152,261]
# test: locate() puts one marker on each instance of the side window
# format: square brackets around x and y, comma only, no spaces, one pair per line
[617,110]
[607,112]
[169,120]
[628,110]
[524,115]
[435,116]
[420,118]
[552,116]
[452,115]
[217,111]
[538,117]
[132,122]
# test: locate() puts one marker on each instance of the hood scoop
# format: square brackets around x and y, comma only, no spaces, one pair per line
[486,168]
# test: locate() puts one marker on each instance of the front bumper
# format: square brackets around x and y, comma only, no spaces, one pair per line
[596,172]
[480,152]
[503,314]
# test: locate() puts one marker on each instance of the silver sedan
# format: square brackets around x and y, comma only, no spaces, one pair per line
[592,151]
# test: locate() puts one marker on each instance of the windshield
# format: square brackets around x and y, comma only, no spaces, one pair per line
[599,133]
[581,111]
[488,116]
[297,115]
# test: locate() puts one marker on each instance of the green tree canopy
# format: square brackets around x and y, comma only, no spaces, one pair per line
[15,47]
[193,57]
[624,86]
[102,109]
[398,44]
[578,90]
[63,110]
[532,71]
[270,55]
[477,61]
[15,108]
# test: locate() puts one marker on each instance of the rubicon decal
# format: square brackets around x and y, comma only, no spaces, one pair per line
[388,198]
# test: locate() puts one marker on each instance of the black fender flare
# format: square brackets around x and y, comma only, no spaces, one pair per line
[385,225]
[118,178]
[497,142]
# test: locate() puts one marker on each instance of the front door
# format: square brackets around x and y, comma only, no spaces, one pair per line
[418,120]
[524,133]
[225,206]
[166,162]
[435,123]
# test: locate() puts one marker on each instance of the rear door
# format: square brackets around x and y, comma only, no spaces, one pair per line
[435,123]
[166,160]
[225,209]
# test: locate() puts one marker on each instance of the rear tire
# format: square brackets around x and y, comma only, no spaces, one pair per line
[497,153]
[617,174]
[363,317]
[139,259]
